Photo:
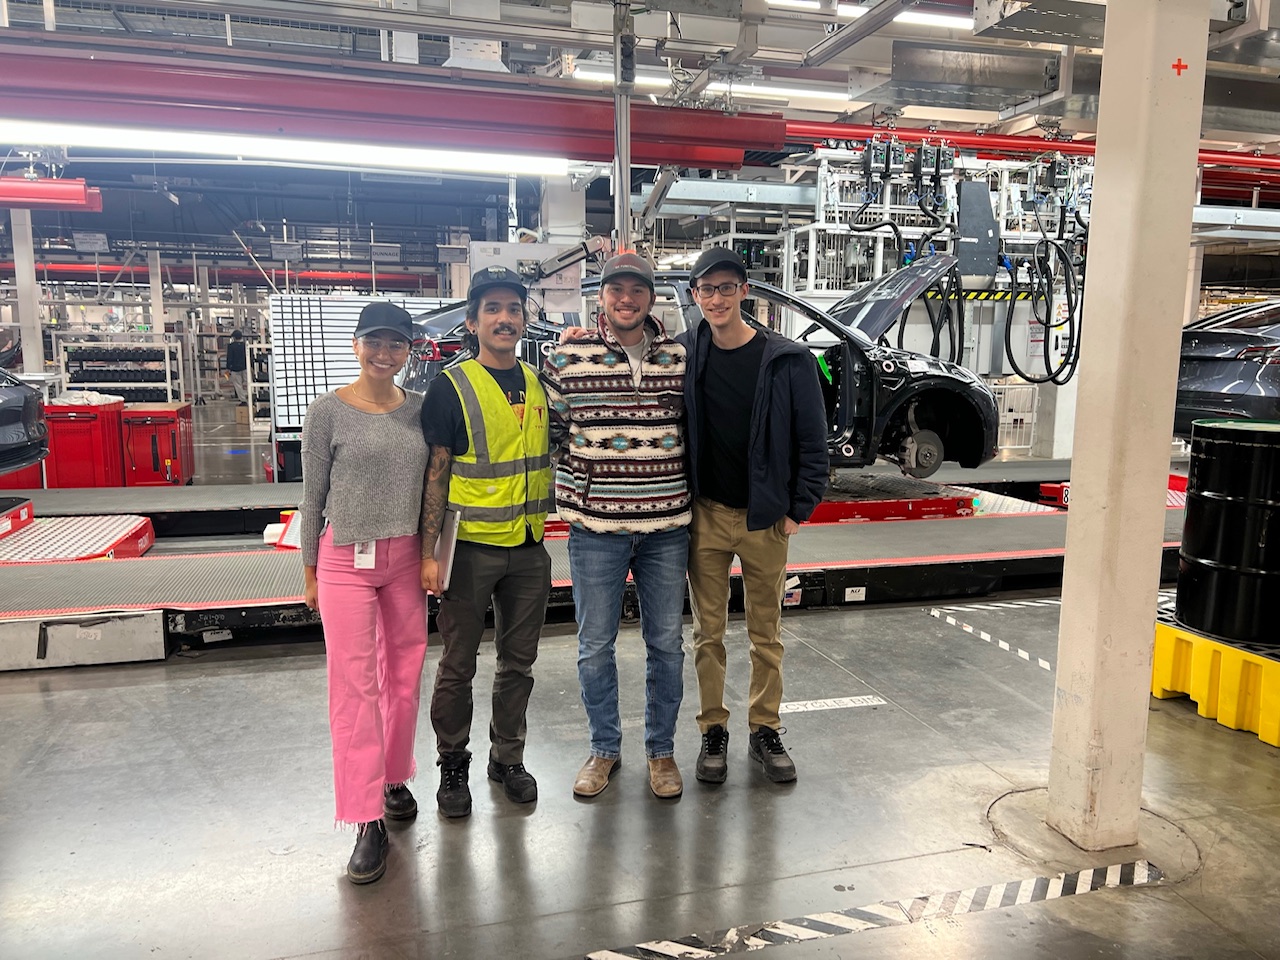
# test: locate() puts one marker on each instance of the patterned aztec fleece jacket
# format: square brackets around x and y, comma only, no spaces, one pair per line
[619,448]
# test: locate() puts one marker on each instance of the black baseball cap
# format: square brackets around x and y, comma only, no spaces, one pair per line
[381,315]
[486,278]
[628,265]
[717,258]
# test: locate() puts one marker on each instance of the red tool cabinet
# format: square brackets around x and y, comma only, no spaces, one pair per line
[28,478]
[84,445]
[159,445]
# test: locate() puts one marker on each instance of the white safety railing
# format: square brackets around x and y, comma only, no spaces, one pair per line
[1017,404]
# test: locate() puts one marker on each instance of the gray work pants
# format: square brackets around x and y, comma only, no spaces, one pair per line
[518,582]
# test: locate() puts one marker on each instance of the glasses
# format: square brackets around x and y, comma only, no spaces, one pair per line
[724,289]
[378,344]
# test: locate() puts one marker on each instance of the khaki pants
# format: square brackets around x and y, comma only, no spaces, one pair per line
[716,534]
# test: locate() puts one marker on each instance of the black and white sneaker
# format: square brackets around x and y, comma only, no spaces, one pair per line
[764,746]
[713,761]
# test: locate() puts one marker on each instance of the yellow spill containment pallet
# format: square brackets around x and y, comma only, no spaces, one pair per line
[1237,687]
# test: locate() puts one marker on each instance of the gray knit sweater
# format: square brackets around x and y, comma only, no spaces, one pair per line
[361,471]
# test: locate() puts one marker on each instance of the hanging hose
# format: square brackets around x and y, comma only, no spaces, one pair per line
[1041,274]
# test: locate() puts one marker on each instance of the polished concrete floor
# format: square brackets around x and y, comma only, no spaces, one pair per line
[184,809]
[226,451]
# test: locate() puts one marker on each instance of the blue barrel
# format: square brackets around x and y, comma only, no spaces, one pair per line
[1229,563]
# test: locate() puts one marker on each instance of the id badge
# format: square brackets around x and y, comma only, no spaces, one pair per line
[366,555]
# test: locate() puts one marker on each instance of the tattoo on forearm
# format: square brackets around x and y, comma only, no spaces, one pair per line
[435,497]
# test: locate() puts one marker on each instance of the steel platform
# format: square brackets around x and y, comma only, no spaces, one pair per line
[829,565]
[55,539]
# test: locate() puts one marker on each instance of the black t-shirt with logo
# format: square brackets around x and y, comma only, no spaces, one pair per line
[726,392]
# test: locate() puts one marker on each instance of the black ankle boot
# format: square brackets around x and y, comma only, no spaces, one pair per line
[398,802]
[369,859]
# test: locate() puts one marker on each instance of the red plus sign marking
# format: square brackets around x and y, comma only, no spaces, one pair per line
[1180,66]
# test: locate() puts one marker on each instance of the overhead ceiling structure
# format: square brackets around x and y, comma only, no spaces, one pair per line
[719,84]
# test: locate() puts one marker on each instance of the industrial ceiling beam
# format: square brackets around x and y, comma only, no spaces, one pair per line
[881,15]
[277,103]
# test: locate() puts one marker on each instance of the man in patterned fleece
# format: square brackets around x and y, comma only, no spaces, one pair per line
[617,402]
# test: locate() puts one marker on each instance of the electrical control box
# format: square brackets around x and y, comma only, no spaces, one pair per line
[874,158]
[946,162]
[895,158]
[926,163]
[1059,174]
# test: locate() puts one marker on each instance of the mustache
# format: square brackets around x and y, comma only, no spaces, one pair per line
[505,328]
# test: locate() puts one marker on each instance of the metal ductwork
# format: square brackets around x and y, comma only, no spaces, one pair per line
[980,78]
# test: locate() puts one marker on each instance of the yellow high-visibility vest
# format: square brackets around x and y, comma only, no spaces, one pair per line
[503,481]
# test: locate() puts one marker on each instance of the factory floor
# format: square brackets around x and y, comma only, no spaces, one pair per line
[184,809]
[227,451]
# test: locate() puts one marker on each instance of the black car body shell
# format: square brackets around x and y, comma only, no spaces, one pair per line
[24,437]
[868,421]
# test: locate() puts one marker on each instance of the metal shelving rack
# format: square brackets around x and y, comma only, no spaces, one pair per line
[139,372]
[261,389]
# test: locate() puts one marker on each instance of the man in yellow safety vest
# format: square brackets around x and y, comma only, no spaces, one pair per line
[486,423]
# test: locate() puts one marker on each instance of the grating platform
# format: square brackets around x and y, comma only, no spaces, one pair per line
[876,561]
[1236,684]
[53,539]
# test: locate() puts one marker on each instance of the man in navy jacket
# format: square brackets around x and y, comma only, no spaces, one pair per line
[757,443]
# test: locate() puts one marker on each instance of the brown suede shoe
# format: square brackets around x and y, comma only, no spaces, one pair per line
[664,779]
[594,776]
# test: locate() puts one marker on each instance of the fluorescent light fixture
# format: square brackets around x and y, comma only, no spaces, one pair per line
[604,76]
[330,153]
[775,92]
[909,17]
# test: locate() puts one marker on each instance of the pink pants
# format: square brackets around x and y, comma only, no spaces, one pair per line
[375,634]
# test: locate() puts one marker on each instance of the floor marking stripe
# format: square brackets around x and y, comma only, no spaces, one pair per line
[1044,664]
[836,703]
[889,913]
[796,932]
[839,920]
[666,948]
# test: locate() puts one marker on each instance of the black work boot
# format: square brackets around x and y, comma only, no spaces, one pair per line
[764,746]
[517,782]
[398,802]
[713,761]
[369,859]
[454,796]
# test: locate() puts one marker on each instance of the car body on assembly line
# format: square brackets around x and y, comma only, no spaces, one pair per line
[24,437]
[1230,367]
[909,408]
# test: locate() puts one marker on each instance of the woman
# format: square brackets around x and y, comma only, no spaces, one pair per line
[364,460]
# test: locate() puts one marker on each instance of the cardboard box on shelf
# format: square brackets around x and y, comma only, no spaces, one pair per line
[242,414]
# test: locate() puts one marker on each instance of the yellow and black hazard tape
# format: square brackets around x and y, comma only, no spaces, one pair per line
[984,295]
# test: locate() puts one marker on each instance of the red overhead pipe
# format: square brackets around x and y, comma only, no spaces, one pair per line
[812,131]
[45,194]
[247,275]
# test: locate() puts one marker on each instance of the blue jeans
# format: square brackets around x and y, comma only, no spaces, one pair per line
[598,564]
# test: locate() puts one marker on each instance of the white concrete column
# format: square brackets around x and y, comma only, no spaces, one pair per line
[24,268]
[1148,131]
[156,303]
[1195,271]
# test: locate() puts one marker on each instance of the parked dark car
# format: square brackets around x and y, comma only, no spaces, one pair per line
[1230,367]
[912,409]
[24,438]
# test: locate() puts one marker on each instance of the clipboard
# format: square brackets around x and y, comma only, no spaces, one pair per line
[446,544]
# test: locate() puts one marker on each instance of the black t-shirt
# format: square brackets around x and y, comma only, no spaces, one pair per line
[727,390]
[444,426]
[442,422]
